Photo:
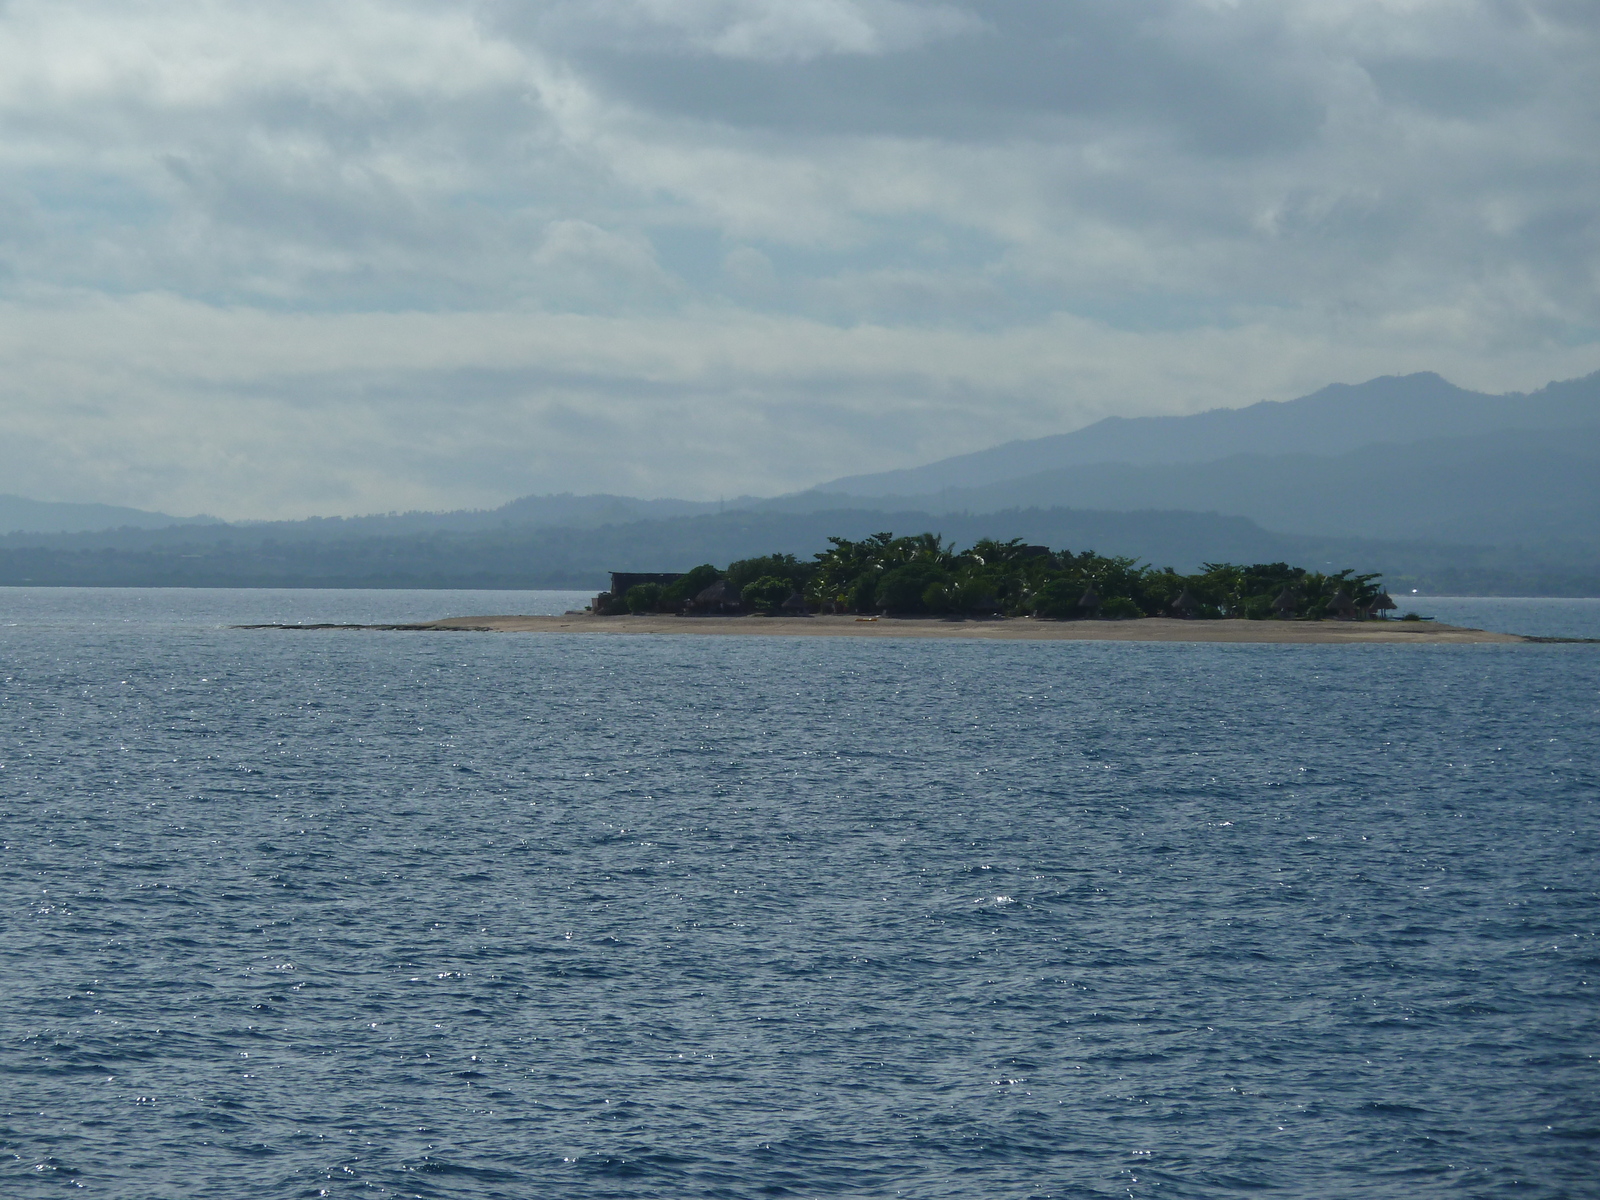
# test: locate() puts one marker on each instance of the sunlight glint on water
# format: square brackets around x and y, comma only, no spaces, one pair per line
[476,916]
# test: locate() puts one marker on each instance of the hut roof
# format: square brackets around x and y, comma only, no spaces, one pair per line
[1340,604]
[796,603]
[1090,598]
[720,592]
[1185,605]
[1384,601]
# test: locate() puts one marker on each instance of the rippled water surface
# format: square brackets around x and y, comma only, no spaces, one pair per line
[475,915]
[1534,616]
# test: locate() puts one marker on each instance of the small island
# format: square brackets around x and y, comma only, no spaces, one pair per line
[920,576]
[887,586]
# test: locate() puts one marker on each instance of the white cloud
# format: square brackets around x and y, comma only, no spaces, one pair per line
[762,30]
[286,256]
[241,412]
[581,265]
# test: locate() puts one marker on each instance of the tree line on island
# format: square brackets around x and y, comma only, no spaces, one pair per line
[921,576]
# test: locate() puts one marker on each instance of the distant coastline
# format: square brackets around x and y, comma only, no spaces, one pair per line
[388,554]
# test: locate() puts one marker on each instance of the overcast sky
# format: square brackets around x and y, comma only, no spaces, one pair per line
[278,258]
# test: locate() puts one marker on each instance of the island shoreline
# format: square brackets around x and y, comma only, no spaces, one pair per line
[1007,629]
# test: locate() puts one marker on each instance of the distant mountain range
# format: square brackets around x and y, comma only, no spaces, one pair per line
[1440,487]
[1409,457]
[1393,409]
[1510,488]
[21,515]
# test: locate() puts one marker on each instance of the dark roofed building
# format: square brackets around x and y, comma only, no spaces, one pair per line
[720,597]
[614,602]
[1185,606]
[621,581]
[1341,606]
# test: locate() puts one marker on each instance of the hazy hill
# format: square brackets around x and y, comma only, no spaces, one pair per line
[1335,420]
[1514,487]
[21,515]
[114,526]
[579,512]
[1437,486]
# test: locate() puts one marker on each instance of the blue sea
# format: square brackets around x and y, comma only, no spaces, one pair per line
[475,916]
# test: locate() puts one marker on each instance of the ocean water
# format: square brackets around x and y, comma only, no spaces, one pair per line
[1534,616]
[475,915]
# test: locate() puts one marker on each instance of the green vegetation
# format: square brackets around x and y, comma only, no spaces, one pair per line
[920,575]
[766,594]
[785,567]
[691,585]
[644,597]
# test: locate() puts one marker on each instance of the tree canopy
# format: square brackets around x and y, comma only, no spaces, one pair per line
[921,575]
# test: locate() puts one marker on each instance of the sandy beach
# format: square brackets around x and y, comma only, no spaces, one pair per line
[1022,629]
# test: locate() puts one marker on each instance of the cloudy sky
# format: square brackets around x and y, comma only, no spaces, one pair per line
[279,258]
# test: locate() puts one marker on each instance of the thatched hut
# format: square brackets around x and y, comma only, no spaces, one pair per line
[795,606]
[721,598]
[1185,606]
[1382,606]
[1286,604]
[1342,607]
[1089,602]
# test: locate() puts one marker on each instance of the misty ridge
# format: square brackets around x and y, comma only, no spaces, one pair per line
[1391,409]
[1397,457]
[1440,487]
